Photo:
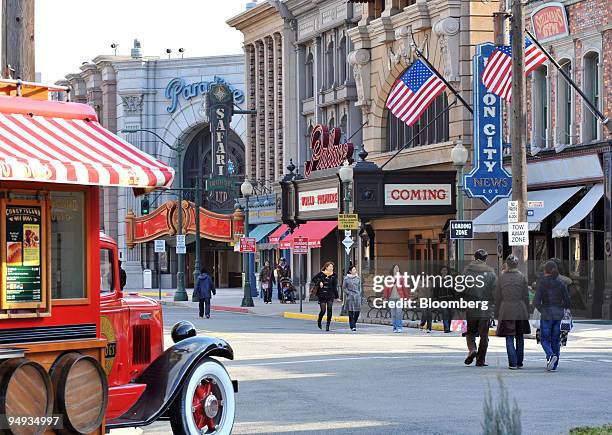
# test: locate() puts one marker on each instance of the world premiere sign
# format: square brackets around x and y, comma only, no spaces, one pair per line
[488,180]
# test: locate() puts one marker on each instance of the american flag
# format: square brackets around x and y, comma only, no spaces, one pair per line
[497,75]
[413,92]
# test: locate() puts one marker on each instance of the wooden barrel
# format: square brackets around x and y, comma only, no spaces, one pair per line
[25,390]
[81,392]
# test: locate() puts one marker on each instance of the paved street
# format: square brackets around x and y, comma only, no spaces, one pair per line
[297,379]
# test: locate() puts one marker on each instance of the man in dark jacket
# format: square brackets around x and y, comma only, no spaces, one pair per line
[478,319]
[122,277]
[551,299]
[282,271]
[204,290]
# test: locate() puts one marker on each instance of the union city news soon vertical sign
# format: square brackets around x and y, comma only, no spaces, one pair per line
[488,180]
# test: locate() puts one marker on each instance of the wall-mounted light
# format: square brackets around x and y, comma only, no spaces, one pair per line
[114,46]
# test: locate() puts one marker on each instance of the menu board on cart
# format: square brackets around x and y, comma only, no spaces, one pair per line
[23,254]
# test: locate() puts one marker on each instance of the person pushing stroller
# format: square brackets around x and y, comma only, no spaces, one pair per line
[288,291]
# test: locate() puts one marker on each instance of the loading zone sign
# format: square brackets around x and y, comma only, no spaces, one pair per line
[461,230]
[488,180]
[518,234]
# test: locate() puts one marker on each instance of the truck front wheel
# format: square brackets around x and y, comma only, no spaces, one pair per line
[206,403]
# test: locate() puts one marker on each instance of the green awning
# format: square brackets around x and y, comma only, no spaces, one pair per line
[261,231]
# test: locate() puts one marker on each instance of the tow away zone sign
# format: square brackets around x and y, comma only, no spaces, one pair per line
[518,234]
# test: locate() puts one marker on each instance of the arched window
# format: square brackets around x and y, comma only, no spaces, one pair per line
[309,73]
[590,84]
[330,64]
[342,63]
[343,127]
[539,131]
[399,133]
[564,105]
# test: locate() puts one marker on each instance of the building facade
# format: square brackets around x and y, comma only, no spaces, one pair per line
[167,97]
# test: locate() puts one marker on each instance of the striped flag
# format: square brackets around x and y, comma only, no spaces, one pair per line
[497,75]
[413,92]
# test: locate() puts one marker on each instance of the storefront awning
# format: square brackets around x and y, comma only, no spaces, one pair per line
[261,231]
[49,141]
[579,212]
[315,231]
[278,234]
[495,219]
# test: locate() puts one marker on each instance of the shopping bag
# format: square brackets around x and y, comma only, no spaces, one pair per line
[567,323]
[534,322]
[458,326]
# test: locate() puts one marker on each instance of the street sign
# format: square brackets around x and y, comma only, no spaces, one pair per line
[512,211]
[348,251]
[347,233]
[535,204]
[348,221]
[530,212]
[300,245]
[347,242]
[461,230]
[488,179]
[181,249]
[518,234]
[247,245]
[160,246]
[180,244]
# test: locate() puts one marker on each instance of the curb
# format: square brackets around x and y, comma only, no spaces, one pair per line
[231,309]
[303,316]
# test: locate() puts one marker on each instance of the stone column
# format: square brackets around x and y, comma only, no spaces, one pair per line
[606,311]
[319,78]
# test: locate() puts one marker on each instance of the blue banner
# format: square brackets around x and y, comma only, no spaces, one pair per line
[488,179]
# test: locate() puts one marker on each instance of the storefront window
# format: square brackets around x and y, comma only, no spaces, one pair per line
[67,245]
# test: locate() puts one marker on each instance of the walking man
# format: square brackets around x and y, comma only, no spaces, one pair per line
[204,290]
[551,299]
[479,318]
[282,271]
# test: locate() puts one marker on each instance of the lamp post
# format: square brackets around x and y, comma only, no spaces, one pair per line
[345,173]
[459,156]
[180,294]
[247,190]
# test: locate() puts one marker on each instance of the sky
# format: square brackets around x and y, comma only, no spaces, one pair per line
[70,32]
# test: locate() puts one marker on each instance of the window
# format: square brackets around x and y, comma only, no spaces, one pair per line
[343,127]
[330,64]
[309,72]
[107,271]
[590,84]
[67,245]
[564,105]
[342,63]
[332,123]
[399,134]
[540,107]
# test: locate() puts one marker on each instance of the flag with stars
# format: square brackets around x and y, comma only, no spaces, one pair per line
[413,92]
[497,75]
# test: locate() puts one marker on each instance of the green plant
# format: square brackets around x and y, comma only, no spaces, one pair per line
[603,430]
[499,417]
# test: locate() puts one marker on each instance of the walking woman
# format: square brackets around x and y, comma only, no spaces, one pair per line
[266,278]
[353,291]
[325,286]
[393,294]
[512,303]
[551,300]
[444,294]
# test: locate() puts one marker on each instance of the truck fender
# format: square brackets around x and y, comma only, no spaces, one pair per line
[165,377]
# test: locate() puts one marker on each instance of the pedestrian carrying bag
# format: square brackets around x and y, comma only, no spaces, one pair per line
[567,323]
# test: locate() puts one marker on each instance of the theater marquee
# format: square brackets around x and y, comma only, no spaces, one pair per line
[418,194]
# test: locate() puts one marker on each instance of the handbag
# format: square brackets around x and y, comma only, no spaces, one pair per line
[567,323]
[459,326]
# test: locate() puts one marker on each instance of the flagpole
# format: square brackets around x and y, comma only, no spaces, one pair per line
[601,117]
[414,136]
[435,71]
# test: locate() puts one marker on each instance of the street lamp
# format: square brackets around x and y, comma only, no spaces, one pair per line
[246,189]
[345,173]
[459,156]
[180,294]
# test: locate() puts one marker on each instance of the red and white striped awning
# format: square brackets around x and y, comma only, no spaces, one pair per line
[55,142]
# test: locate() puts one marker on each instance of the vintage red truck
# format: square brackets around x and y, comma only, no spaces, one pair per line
[78,355]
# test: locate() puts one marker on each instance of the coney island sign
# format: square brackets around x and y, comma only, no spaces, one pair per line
[327,151]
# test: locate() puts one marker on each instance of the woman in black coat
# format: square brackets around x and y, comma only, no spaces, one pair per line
[325,284]
[512,309]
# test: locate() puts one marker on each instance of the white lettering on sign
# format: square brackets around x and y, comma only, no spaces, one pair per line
[512,211]
[418,194]
[518,234]
[322,199]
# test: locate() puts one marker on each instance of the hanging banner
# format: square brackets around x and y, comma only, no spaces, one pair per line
[488,179]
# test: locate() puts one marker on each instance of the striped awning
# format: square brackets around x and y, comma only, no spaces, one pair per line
[55,142]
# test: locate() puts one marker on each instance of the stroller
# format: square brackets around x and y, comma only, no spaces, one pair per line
[288,292]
